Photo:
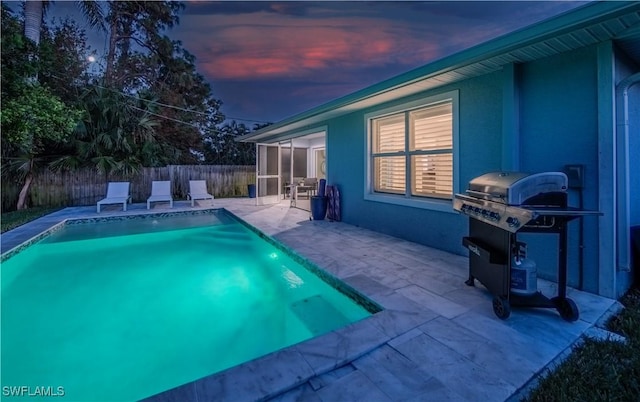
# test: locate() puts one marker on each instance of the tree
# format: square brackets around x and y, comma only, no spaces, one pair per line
[63,61]
[138,23]
[28,123]
[32,116]
[151,78]
[16,63]
[223,149]
[116,135]
[34,10]
[178,83]
[142,60]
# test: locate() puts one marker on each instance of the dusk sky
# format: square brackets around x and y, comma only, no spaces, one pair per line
[269,60]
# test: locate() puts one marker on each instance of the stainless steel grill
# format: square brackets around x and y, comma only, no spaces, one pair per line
[501,204]
[510,200]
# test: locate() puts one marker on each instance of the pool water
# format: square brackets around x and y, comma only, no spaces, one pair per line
[112,316]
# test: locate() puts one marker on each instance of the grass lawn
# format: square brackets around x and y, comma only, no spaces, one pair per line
[14,219]
[600,370]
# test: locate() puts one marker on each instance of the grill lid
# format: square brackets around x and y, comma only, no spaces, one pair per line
[514,188]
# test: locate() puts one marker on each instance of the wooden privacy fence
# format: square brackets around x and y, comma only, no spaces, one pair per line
[86,187]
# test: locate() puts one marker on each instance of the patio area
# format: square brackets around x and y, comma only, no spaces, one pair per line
[436,339]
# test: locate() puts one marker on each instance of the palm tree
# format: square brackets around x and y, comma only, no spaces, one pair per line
[35,10]
[115,136]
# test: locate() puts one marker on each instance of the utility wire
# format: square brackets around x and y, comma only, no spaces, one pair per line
[166,117]
[170,106]
[176,107]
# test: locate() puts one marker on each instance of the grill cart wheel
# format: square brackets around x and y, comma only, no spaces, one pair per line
[567,308]
[501,307]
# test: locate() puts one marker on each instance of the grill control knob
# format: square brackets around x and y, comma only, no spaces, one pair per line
[513,222]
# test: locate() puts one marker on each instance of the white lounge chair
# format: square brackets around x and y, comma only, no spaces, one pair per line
[198,191]
[117,193]
[160,191]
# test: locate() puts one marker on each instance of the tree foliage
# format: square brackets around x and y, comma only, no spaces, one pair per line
[63,61]
[223,149]
[115,135]
[35,116]
[137,25]
[144,105]
[29,122]
[16,64]
[141,59]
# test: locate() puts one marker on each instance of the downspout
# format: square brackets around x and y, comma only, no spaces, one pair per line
[622,140]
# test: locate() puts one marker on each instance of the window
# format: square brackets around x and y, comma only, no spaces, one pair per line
[412,152]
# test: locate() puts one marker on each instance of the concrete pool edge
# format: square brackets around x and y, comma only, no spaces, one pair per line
[43,226]
[288,368]
[32,240]
[87,220]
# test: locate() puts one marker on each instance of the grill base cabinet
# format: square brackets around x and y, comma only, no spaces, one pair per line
[491,252]
[502,204]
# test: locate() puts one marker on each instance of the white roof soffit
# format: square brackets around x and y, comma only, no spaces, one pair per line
[584,26]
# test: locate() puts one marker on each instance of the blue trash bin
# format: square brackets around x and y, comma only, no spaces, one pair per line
[252,190]
[318,207]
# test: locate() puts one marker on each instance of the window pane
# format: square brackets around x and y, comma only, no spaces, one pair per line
[390,174]
[432,128]
[285,164]
[432,175]
[299,162]
[267,160]
[388,134]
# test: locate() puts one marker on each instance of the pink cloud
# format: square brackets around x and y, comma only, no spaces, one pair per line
[263,45]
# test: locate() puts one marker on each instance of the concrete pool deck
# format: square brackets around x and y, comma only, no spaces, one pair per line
[437,338]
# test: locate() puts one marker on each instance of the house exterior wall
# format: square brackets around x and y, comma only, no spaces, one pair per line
[556,124]
[559,126]
[480,122]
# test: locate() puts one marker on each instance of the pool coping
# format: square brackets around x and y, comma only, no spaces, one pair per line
[86,220]
[34,239]
[283,369]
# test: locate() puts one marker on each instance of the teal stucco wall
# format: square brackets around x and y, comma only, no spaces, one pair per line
[556,126]
[480,131]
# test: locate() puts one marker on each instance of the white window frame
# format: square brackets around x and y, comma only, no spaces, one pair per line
[436,204]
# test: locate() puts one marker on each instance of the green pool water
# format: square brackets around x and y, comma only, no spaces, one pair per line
[122,311]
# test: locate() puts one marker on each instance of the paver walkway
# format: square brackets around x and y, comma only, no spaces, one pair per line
[436,340]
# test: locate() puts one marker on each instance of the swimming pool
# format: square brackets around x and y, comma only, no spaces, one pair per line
[121,310]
